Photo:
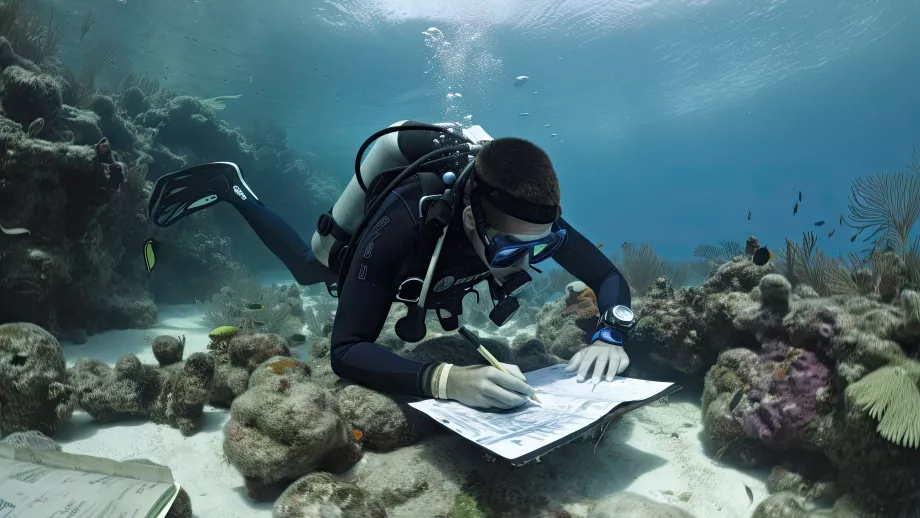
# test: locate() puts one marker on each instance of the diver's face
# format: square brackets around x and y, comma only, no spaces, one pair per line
[502,224]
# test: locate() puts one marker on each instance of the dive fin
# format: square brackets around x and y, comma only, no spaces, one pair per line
[188,191]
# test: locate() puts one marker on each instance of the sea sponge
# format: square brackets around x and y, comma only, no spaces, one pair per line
[184,393]
[33,395]
[280,431]
[168,349]
[892,396]
[320,494]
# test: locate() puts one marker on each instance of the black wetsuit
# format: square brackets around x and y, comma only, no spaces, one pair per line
[380,265]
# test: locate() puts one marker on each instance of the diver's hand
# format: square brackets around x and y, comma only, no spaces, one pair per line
[484,386]
[607,358]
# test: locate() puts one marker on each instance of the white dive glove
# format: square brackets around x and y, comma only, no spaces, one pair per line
[481,386]
[607,358]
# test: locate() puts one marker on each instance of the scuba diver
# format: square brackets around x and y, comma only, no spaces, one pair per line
[432,211]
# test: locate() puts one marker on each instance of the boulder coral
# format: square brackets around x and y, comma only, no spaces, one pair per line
[236,359]
[284,427]
[33,390]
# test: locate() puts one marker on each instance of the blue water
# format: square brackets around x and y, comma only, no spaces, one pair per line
[674,119]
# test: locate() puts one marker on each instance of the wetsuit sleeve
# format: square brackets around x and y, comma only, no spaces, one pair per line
[364,302]
[588,264]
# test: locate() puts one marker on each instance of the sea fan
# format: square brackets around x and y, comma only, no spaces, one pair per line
[890,394]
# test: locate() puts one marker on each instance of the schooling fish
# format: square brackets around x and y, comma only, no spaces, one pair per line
[258,323]
[795,209]
[749,215]
[841,219]
[800,195]
[819,223]
[750,494]
[831,233]
[762,256]
[254,306]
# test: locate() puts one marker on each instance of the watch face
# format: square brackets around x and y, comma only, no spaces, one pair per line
[623,314]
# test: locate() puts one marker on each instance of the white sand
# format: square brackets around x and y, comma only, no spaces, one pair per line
[639,454]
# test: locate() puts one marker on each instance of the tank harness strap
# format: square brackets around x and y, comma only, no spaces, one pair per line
[325,226]
[434,215]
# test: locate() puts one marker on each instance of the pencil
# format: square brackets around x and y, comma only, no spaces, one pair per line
[473,339]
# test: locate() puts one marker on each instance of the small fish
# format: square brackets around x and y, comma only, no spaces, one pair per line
[600,244]
[224,332]
[14,231]
[749,215]
[800,195]
[795,209]
[841,219]
[819,223]
[735,400]
[254,306]
[258,323]
[357,434]
[854,237]
[150,253]
[762,256]
[297,338]
[524,114]
[750,494]
[831,233]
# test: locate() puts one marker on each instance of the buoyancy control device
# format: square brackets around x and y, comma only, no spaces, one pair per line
[432,152]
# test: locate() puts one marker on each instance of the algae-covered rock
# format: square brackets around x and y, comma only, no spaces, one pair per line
[184,393]
[532,355]
[281,429]
[236,358]
[560,332]
[168,349]
[107,394]
[631,505]
[321,495]
[781,505]
[31,439]
[28,95]
[386,422]
[33,394]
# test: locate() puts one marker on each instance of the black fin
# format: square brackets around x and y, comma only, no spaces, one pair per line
[178,194]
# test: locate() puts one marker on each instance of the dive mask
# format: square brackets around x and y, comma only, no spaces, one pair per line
[505,250]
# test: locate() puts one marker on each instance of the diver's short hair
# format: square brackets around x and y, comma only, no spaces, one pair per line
[521,169]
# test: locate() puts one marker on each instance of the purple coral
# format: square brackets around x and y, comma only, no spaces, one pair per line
[785,395]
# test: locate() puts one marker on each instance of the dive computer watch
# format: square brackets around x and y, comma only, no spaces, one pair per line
[618,323]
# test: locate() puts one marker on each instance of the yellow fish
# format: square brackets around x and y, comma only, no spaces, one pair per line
[150,254]
[600,244]
[224,332]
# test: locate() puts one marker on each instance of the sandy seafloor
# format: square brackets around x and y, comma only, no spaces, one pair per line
[656,451]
